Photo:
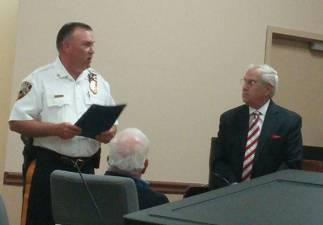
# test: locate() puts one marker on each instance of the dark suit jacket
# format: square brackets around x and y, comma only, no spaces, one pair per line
[279,146]
[146,196]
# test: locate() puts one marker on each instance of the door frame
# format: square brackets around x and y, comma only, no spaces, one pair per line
[290,34]
[311,153]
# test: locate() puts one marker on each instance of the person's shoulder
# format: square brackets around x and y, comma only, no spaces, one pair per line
[38,74]
[149,198]
[235,111]
[41,71]
[148,192]
[285,111]
[44,69]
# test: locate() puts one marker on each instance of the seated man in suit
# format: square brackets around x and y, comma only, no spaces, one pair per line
[128,158]
[259,137]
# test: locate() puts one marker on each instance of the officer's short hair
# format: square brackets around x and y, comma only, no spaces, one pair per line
[66,30]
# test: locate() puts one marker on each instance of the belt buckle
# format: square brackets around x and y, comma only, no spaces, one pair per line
[80,162]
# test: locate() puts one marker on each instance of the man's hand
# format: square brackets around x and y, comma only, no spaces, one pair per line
[106,136]
[67,130]
[34,128]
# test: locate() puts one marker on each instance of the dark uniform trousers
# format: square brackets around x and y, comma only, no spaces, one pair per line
[37,209]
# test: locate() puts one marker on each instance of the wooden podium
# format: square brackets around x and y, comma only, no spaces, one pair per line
[287,197]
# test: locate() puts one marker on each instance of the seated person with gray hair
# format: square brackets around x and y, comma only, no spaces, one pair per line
[128,158]
[258,137]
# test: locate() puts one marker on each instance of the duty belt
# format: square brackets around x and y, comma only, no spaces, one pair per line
[50,155]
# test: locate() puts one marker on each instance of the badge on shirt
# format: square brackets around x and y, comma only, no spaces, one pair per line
[24,89]
[93,82]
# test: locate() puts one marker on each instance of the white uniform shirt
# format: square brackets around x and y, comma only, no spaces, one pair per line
[56,97]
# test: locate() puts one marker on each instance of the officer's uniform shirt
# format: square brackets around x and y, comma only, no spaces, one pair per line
[50,94]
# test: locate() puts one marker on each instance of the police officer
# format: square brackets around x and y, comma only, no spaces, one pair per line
[50,101]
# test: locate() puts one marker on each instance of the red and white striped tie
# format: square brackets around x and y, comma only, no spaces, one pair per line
[252,141]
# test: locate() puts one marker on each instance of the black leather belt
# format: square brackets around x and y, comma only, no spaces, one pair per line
[75,162]
[50,155]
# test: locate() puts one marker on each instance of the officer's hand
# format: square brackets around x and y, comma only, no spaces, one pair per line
[106,136]
[67,130]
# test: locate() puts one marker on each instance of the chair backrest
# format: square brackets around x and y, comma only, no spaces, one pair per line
[3,213]
[72,204]
[216,180]
[313,158]
[212,178]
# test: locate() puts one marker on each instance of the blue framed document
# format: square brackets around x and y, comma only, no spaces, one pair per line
[98,118]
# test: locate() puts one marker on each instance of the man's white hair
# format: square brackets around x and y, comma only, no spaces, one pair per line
[268,75]
[128,150]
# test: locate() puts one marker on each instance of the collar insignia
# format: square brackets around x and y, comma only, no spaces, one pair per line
[93,82]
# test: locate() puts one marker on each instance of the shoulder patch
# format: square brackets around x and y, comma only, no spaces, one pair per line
[24,89]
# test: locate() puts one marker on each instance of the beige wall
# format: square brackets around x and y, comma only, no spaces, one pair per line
[177,63]
[8,20]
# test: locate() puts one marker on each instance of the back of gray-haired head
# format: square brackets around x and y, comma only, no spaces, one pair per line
[128,150]
[268,75]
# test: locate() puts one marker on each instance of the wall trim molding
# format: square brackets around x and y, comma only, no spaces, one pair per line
[172,187]
[15,179]
[12,178]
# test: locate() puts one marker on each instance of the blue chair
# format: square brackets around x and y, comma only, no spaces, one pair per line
[113,197]
[3,213]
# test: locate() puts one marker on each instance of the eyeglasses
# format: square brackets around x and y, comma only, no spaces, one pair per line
[249,83]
